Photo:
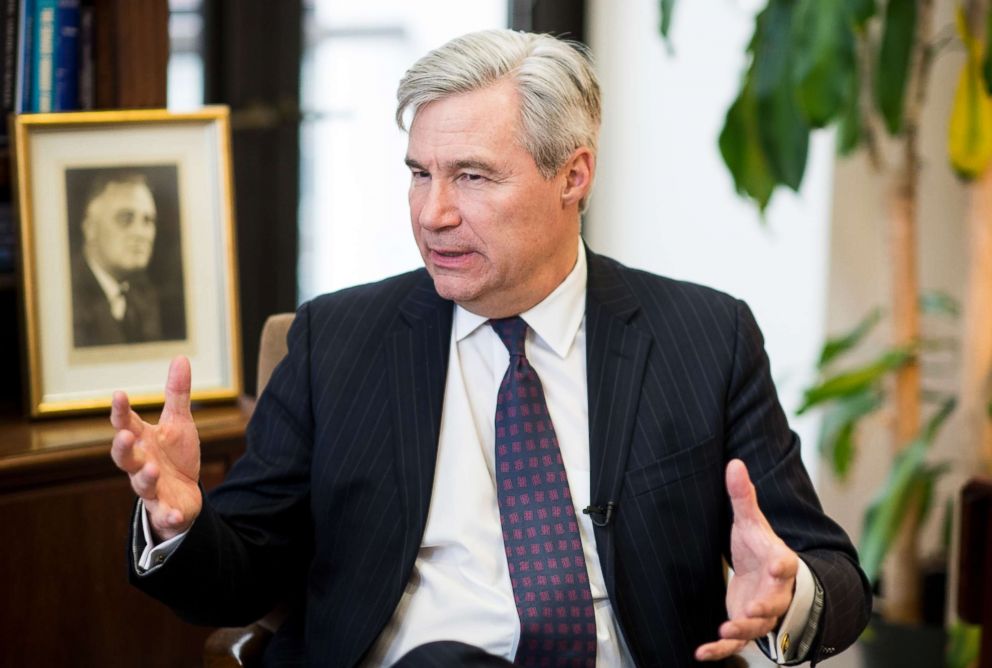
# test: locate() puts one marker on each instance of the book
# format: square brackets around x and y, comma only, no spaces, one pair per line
[66,93]
[43,75]
[87,94]
[8,237]
[8,62]
[25,60]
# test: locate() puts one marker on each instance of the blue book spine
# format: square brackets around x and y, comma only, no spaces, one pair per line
[67,56]
[25,57]
[43,78]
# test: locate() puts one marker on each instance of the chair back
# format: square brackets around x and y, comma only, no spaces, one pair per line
[272,347]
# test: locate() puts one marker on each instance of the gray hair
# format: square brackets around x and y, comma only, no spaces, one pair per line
[559,92]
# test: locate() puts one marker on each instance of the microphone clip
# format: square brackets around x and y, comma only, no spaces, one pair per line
[599,515]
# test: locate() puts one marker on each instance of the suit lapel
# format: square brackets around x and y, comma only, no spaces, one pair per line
[616,355]
[417,356]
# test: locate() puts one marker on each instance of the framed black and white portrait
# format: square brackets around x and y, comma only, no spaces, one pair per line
[127,246]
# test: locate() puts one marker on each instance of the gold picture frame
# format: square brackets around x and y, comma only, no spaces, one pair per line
[128,256]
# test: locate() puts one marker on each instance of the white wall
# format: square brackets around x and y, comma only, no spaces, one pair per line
[354,219]
[664,200]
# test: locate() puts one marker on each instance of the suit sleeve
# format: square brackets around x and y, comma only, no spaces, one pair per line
[252,541]
[757,432]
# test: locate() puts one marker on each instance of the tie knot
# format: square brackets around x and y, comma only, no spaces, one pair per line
[512,332]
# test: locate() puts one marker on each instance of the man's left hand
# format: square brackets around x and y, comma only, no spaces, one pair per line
[761,590]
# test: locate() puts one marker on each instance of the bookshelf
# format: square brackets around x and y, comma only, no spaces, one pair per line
[65,506]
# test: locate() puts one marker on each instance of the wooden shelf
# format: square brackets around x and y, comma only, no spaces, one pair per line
[54,450]
[66,511]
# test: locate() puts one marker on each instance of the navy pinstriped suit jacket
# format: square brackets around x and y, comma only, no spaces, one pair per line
[331,498]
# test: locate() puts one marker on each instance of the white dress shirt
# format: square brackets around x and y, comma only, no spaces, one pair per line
[460,586]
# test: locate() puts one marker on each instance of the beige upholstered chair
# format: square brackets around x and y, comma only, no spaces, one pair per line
[244,646]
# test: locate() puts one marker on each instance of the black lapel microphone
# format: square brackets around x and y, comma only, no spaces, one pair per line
[599,515]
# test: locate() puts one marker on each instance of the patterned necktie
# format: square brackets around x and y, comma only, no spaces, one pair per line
[131,322]
[540,531]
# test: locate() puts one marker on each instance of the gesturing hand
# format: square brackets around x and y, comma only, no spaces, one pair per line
[764,572]
[162,460]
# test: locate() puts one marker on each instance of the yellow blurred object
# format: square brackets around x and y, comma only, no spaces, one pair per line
[969,137]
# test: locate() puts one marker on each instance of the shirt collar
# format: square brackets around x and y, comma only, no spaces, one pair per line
[555,319]
[110,287]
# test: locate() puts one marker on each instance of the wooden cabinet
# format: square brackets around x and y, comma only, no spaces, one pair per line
[64,516]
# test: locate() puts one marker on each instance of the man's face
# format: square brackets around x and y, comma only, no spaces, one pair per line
[495,235]
[119,228]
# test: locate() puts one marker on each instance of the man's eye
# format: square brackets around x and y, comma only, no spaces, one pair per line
[419,174]
[474,178]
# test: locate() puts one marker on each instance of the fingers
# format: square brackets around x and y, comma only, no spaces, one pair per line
[748,628]
[741,491]
[145,481]
[177,387]
[128,458]
[167,522]
[772,606]
[720,649]
[784,568]
[122,417]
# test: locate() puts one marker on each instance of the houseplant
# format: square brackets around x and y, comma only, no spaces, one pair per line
[864,67]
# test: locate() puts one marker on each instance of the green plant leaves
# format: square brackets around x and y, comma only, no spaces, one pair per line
[939,303]
[667,7]
[841,344]
[860,11]
[893,64]
[963,644]
[987,61]
[910,481]
[839,422]
[782,130]
[765,138]
[849,130]
[824,62]
[854,381]
[969,133]
[742,151]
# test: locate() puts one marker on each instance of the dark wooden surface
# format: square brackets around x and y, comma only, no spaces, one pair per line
[64,514]
[975,555]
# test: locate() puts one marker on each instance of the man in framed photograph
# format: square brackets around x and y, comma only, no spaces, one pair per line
[113,300]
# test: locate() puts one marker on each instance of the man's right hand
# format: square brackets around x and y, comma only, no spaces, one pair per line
[162,460]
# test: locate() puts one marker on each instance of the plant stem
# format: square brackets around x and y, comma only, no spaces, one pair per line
[869,117]
[901,571]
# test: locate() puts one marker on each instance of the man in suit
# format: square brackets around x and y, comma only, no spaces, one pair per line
[524,451]
[113,302]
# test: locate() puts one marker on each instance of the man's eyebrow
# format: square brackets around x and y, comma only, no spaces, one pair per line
[474,164]
[455,165]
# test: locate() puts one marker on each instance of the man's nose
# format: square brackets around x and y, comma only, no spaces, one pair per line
[143,229]
[439,208]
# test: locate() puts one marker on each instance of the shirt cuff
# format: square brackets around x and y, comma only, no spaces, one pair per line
[791,642]
[152,556]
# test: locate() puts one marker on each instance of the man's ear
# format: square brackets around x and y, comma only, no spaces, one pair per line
[579,171]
